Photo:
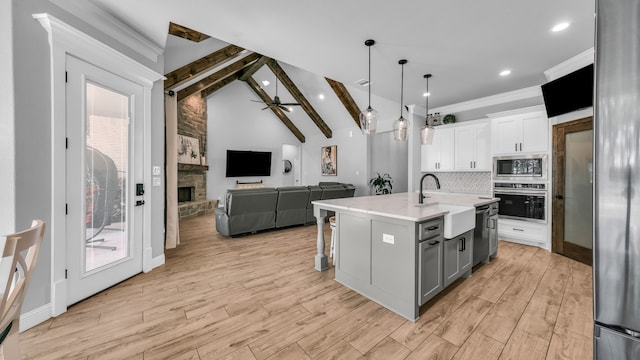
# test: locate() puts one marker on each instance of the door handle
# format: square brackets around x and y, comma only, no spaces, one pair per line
[139,202]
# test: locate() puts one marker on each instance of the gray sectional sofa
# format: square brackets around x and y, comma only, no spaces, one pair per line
[252,210]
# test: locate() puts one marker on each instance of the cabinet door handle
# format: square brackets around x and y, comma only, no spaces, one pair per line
[516,229]
[520,146]
[434,243]
[431,228]
[474,164]
[516,144]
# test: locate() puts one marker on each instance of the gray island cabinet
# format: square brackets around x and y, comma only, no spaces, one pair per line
[391,250]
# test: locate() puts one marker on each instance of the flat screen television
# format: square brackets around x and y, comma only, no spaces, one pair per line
[248,163]
[571,92]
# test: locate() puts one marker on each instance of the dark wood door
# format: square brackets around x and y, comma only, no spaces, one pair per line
[572,221]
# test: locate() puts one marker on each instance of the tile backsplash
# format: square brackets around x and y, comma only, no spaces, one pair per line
[472,182]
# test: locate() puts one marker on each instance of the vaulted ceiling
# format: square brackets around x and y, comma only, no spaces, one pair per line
[463,43]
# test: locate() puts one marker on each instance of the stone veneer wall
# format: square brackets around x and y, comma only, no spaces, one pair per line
[192,121]
[471,182]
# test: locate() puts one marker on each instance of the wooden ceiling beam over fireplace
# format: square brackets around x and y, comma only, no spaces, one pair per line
[253,85]
[184,73]
[217,76]
[186,33]
[346,99]
[300,98]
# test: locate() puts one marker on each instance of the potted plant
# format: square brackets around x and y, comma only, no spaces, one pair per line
[381,184]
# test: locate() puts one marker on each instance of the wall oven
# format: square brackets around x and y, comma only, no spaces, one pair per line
[520,168]
[522,201]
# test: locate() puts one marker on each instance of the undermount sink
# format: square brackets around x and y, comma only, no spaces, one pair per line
[458,220]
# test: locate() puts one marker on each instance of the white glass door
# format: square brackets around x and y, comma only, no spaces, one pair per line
[104,163]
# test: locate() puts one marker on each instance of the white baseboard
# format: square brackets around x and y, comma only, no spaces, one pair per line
[157,261]
[35,317]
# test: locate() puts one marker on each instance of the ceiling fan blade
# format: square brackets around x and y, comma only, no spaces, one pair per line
[291,104]
[265,108]
[259,101]
[284,108]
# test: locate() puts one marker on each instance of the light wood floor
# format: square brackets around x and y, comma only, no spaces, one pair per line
[258,297]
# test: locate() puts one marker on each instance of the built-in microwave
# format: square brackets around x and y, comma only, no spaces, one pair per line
[520,168]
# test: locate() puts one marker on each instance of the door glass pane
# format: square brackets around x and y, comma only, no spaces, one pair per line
[578,188]
[106,182]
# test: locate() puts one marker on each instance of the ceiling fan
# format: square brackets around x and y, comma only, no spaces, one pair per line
[276,102]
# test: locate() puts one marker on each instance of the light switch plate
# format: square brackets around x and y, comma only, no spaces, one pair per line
[156,172]
[157,181]
[389,239]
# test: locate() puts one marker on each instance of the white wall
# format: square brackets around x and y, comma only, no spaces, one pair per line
[234,125]
[389,156]
[33,132]
[291,153]
[352,159]
[7,180]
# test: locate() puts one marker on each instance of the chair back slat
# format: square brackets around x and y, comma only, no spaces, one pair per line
[16,270]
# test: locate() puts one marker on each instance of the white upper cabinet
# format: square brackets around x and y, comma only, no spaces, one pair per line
[439,156]
[473,147]
[523,133]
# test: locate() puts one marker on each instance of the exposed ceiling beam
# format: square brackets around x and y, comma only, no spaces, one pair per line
[255,67]
[253,85]
[295,92]
[186,33]
[184,73]
[217,76]
[346,99]
[219,85]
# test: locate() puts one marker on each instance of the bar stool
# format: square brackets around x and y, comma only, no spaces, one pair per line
[332,248]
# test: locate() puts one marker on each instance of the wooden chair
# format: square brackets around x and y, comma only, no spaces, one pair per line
[16,271]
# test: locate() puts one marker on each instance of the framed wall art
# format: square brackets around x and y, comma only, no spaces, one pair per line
[329,160]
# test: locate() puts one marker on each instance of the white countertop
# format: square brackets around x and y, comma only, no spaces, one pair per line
[403,205]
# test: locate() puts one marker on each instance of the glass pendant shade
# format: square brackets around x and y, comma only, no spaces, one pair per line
[426,135]
[369,121]
[400,129]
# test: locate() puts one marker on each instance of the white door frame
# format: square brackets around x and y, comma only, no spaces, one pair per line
[65,39]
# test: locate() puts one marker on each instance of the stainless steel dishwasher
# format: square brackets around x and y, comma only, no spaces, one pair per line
[485,235]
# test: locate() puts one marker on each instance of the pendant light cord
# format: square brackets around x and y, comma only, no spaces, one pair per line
[370,76]
[426,117]
[401,89]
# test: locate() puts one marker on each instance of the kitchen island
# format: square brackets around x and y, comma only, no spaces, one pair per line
[392,250]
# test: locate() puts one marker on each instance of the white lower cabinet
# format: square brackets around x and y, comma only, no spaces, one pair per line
[523,232]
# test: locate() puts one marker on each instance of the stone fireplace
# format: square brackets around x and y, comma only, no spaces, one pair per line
[192,178]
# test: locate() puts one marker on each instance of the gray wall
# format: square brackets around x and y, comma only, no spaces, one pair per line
[33,133]
[7,180]
[389,156]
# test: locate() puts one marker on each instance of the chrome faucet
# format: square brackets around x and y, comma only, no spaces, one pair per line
[421,196]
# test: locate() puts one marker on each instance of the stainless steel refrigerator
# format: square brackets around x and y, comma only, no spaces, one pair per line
[616,248]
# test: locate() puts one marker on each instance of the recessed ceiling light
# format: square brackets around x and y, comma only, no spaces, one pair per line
[321,96]
[290,108]
[426,94]
[265,82]
[505,72]
[560,27]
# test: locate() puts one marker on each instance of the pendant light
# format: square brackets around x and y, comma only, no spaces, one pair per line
[369,118]
[401,125]
[427,131]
